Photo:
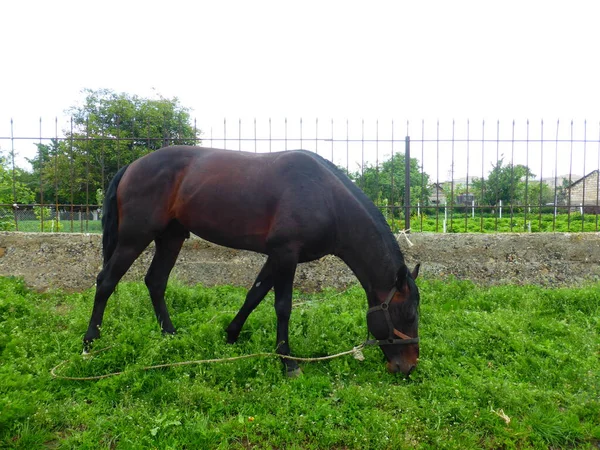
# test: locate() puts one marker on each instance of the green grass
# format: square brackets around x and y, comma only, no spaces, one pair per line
[457,223]
[76,226]
[529,353]
[535,223]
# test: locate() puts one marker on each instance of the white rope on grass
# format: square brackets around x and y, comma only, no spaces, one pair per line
[356,352]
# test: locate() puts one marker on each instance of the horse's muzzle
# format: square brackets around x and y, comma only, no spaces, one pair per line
[397,366]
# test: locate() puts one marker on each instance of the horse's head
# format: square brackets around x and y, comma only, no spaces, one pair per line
[395,323]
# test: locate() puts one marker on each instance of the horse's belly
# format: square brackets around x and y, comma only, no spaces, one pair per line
[257,217]
[226,229]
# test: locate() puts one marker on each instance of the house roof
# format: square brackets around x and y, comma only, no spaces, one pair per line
[582,178]
[557,181]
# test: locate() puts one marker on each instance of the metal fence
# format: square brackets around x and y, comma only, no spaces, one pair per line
[457,181]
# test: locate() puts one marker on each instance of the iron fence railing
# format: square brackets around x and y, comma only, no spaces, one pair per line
[458,176]
[49,218]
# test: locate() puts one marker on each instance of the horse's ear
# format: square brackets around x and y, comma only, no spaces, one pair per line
[401,276]
[415,272]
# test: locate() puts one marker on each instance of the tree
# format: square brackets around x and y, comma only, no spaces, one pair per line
[12,191]
[48,174]
[384,183]
[107,131]
[511,184]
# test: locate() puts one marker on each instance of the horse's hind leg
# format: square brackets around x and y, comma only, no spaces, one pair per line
[168,246]
[262,285]
[107,280]
[284,269]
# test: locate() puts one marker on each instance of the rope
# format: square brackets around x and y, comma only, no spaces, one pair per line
[356,352]
[405,234]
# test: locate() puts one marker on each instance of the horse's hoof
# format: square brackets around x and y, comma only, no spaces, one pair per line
[87,347]
[294,373]
[232,335]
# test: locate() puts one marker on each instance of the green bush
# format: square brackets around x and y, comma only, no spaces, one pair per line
[46,222]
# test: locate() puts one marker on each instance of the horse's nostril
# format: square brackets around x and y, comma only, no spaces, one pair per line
[395,367]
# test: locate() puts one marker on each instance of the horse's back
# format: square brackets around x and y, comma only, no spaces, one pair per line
[237,199]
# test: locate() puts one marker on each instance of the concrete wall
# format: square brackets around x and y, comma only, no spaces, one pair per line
[72,261]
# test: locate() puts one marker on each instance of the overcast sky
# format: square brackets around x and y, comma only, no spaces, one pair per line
[387,60]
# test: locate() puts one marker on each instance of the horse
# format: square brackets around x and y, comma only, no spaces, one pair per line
[292,206]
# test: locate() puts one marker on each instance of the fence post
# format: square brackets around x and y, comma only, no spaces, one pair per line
[407,184]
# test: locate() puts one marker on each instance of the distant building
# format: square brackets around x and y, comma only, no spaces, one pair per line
[559,181]
[585,191]
[438,195]
[459,184]
[465,199]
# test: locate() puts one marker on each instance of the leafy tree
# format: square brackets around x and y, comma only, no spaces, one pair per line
[384,183]
[562,192]
[539,194]
[512,184]
[48,174]
[12,191]
[108,131]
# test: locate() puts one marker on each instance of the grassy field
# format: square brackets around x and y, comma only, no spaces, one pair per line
[456,223]
[76,226]
[502,367]
[519,223]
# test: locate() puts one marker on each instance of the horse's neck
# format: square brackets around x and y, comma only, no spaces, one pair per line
[372,258]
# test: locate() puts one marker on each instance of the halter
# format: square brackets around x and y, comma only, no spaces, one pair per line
[404,338]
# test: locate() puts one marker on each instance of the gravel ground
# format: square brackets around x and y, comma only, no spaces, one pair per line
[72,261]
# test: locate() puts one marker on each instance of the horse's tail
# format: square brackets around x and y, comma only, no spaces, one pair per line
[110,217]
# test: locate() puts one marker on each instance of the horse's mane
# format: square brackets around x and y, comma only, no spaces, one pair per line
[382,225]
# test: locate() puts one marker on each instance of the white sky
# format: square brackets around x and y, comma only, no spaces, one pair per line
[387,60]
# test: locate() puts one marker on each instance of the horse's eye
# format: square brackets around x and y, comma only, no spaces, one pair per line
[411,316]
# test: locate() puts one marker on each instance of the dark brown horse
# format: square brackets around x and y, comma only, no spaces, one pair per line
[292,206]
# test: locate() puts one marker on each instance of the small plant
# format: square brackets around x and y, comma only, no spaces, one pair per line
[46,221]
[99,197]
[7,221]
